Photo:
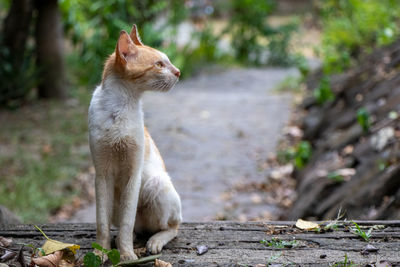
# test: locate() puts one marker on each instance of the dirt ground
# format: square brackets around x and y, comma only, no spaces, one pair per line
[215,133]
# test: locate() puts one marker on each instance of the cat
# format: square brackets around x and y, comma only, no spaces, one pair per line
[133,189]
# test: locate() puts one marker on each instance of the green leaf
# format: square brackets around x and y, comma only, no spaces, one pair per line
[99,247]
[91,260]
[114,256]
[42,252]
[363,118]
[334,176]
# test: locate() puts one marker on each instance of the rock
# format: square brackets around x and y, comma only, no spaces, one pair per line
[7,217]
[353,169]
[371,248]
[201,249]
[381,139]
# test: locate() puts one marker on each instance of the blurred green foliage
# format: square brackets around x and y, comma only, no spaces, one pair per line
[251,34]
[364,119]
[323,93]
[299,154]
[94,26]
[350,27]
[16,82]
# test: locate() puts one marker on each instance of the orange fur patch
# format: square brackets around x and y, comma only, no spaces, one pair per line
[135,67]
[148,142]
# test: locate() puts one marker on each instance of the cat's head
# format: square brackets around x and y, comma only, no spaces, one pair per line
[146,67]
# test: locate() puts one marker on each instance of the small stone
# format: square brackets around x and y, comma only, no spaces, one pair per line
[201,249]
[371,248]
[322,256]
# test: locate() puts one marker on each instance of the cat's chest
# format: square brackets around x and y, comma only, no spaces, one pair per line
[119,122]
[125,122]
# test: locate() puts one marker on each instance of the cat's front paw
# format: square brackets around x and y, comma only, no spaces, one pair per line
[154,245]
[128,256]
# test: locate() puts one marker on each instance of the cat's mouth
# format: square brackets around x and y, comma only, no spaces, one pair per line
[165,86]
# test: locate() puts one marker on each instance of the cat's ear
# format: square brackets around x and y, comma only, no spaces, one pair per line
[125,48]
[135,35]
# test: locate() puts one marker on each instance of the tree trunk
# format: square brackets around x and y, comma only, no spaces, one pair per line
[15,65]
[49,45]
[16,30]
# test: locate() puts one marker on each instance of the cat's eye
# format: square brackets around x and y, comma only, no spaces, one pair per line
[159,64]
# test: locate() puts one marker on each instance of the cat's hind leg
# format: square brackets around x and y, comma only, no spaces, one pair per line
[160,210]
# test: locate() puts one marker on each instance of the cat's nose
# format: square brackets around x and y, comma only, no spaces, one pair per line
[177,73]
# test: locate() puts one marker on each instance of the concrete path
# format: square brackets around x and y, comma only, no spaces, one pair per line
[214,132]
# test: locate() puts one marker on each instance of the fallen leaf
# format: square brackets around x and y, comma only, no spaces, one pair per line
[8,255]
[140,252]
[347,150]
[160,263]
[51,260]
[255,198]
[5,242]
[66,263]
[51,246]
[306,225]
[46,149]
[346,172]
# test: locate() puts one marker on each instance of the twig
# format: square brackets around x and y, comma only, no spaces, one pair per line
[139,261]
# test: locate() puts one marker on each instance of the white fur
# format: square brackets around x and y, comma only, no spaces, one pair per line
[146,199]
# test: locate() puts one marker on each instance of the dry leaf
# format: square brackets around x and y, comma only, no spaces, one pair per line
[51,260]
[5,242]
[66,263]
[8,255]
[306,225]
[160,263]
[51,246]
[140,252]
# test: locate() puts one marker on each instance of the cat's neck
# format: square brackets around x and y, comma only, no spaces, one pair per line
[116,86]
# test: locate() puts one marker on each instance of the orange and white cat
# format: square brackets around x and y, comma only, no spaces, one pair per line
[133,190]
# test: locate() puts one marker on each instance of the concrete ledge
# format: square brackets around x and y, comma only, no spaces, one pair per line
[238,244]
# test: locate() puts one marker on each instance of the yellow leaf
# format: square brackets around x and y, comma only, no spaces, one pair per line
[306,225]
[51,246]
